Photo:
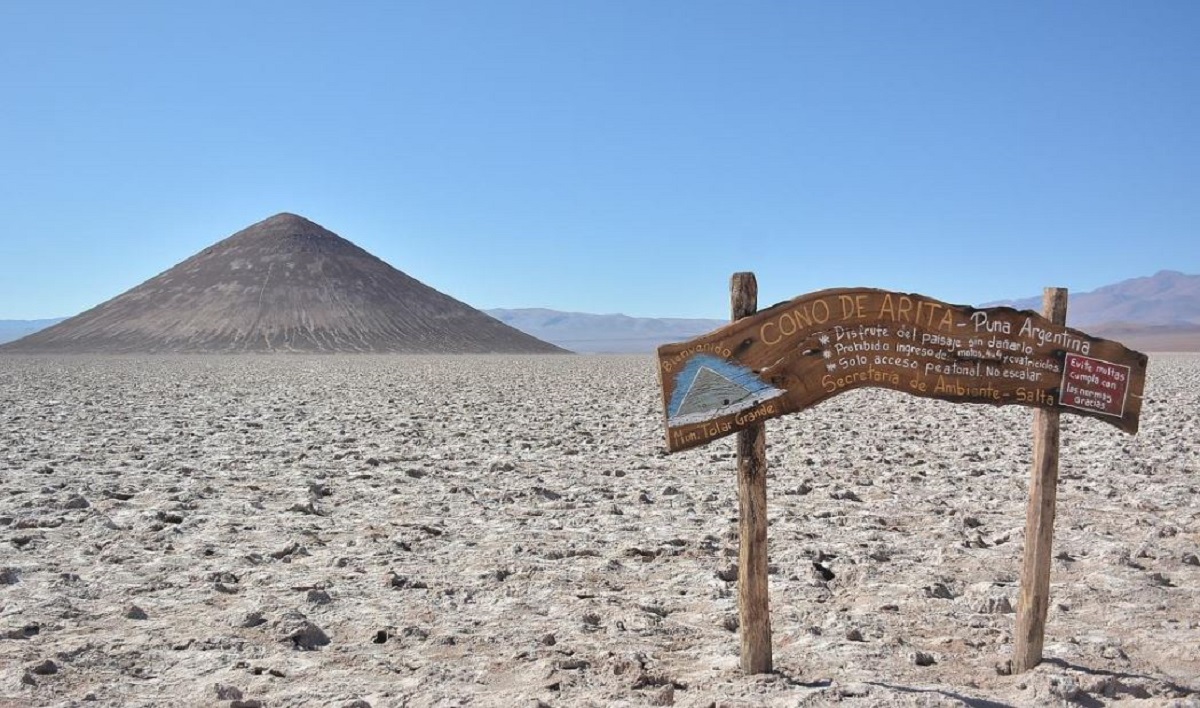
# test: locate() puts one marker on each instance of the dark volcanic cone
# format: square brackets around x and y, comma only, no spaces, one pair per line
[282,285]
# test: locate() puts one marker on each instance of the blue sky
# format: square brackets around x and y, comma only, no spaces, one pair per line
[616,156]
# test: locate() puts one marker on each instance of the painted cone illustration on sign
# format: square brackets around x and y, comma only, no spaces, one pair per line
[708,387]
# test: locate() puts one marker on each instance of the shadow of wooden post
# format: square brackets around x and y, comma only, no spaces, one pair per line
[1034,600]
[754,613]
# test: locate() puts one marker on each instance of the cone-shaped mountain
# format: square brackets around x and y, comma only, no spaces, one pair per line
[282,285]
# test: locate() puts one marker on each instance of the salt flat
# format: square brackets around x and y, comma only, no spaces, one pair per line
[499,531]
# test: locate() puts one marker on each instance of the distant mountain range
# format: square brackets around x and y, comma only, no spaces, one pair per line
[1155,313]
[15,329]
[603,334]
[1166,298]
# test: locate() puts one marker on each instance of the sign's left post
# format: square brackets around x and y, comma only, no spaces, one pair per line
[754,611]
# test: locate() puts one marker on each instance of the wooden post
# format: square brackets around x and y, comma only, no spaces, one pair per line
[1039,519]
[754,612]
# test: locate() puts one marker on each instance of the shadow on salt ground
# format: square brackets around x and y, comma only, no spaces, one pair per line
[1170,685]
[793,681]
[966,700]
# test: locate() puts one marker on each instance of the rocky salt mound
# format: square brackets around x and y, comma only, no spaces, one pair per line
[284,284]
[500,531]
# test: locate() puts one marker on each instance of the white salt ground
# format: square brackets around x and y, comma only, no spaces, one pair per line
[507,531]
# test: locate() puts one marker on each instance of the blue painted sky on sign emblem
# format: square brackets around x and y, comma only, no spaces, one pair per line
[708,387]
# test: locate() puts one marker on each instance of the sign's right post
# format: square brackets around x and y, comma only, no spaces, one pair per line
[1034,600]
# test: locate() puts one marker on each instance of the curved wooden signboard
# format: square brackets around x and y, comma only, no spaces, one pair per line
[801,352]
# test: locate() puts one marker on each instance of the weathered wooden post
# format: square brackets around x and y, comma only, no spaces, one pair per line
[1034,600]
[754,612]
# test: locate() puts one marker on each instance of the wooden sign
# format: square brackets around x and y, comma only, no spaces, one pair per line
[799,353]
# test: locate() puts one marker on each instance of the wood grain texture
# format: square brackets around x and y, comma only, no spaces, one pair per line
[1033,602]
[804,351]
[754,612]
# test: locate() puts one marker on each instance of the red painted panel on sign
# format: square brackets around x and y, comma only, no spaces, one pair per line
[1094,385]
